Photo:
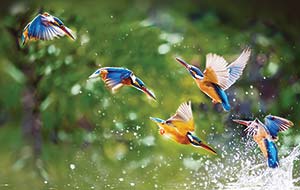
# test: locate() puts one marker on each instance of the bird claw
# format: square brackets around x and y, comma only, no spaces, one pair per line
[161,131]
[214,101]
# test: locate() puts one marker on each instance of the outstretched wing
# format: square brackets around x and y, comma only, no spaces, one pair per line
[252,129]
[236,68]
[183,118]
[43,31]
[275,124]
[216,70]
[115,76]
[256,128]
[219,72]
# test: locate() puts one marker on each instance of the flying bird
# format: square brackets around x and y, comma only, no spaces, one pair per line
[266,134]
[218,75]
[116,77]
[45,27]
[180,127]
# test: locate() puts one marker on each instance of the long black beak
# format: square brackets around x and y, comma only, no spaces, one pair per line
[208,148]
[198,143]
[148,92]
[67,31]
[182,62]
[242,122]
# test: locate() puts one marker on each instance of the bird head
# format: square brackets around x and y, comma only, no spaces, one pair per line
[195,141]
[95,74]
[194,71]
[46,17]
[161,123]
[139,84]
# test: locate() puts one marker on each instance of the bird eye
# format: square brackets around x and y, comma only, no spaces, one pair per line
[97,72]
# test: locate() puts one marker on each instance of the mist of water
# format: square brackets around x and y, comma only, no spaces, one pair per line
[244,167]
[259,176]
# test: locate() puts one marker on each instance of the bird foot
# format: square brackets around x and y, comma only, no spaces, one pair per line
[161,131]
[214,101]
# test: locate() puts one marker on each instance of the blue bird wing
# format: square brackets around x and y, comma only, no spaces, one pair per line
[37,29]
[236,68]
[115,76]
[272,153]
[275,124]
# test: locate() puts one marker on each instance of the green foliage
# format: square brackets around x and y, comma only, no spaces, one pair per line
[114,127]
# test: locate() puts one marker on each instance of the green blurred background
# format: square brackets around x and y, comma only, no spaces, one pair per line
[59,130]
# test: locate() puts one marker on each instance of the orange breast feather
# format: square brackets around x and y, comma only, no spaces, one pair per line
[209,90]
[175,135]
[210,76]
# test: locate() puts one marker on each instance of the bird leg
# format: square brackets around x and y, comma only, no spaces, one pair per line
[162,131]
[214,101]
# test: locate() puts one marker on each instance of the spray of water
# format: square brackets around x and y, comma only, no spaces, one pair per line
[239,168]
[259,176]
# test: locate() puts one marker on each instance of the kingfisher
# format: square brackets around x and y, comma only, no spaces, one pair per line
[45,27]
[116,77]
[266,134]
[218,75]
[180,127]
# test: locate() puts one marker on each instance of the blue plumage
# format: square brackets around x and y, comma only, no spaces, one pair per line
[45,27]
[116,75]
[193,139]
[223,97]
[157,119]
[58,21]
[196,71]
[36,27]
[273,161]
[272,127]
[275,124]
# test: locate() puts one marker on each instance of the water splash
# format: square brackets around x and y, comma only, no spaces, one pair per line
[261,177]
[240,169]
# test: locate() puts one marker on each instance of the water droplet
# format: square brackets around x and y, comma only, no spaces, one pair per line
[72,166]
[163,48]
[132,116]
[75,89]
[121,179]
